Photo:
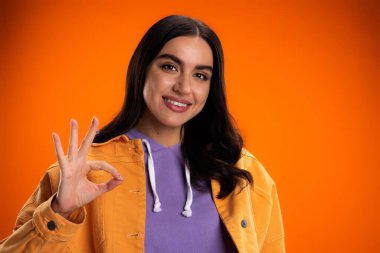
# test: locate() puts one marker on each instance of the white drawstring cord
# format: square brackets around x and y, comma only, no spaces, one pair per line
[152,178]
[187,212]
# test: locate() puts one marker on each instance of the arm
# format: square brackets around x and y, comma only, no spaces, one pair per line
[266,207]
[274,239]
[38,228]
[55,211]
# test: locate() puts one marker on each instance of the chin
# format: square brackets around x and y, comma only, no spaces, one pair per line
[173,122]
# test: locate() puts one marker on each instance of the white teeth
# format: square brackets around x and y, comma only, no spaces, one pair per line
[176,103]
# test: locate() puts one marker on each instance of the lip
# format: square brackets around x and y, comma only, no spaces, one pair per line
[174,107]
[183,101]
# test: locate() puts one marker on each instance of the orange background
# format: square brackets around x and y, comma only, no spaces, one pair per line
[302,83]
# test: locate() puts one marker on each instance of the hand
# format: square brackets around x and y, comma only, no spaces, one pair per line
[75,190]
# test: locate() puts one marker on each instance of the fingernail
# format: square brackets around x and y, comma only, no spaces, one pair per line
[121,178]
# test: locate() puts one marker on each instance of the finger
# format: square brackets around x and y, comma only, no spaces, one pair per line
[86,143]
[102,165]
[110,185]
[58,149]
[73,143]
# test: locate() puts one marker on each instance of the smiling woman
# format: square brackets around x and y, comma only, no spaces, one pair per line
[190,186]
[176,87]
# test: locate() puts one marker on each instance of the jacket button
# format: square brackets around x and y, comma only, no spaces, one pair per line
[244,223]
[51,225]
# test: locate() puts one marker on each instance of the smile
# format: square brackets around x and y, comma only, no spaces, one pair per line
[176,103]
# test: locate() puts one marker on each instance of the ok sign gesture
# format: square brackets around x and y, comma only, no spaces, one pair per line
[75,189]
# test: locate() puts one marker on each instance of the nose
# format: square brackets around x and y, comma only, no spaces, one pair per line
[182,85]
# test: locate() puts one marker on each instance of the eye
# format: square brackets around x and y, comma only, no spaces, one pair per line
[201,76]
[168,67]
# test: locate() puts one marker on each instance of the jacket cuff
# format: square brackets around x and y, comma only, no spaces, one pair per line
[53,226]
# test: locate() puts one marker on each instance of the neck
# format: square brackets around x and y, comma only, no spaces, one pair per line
[166,136]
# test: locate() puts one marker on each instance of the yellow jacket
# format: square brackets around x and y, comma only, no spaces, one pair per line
[115,221]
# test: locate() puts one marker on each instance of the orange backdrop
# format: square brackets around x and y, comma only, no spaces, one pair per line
[302,83]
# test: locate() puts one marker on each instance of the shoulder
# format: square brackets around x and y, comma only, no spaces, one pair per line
[265,204]
[263,183]
[249,162]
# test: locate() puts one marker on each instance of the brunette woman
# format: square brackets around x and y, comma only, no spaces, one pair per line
[168,174]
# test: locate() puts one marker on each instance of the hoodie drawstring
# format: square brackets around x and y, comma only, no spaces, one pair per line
[152,178]
[189,200]
[187,212]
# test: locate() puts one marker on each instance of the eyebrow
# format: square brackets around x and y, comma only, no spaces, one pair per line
[180,62]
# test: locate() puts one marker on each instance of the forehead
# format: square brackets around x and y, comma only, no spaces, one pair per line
[190,50]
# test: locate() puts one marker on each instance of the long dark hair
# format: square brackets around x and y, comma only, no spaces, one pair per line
[210,143]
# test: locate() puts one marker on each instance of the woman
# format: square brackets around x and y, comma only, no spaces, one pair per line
[168,174]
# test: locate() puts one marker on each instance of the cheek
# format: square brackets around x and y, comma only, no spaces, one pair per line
[150,86]
[146,91]
[202,94]
[157,83]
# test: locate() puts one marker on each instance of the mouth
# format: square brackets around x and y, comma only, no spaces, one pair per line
[176,104]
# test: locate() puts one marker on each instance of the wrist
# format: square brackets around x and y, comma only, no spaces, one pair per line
[56,208]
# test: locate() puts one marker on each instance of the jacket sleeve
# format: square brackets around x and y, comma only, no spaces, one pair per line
[274,239]
[38,228]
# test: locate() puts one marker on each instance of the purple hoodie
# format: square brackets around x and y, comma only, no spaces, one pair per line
[168,230]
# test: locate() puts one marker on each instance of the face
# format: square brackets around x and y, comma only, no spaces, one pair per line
[178,82]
